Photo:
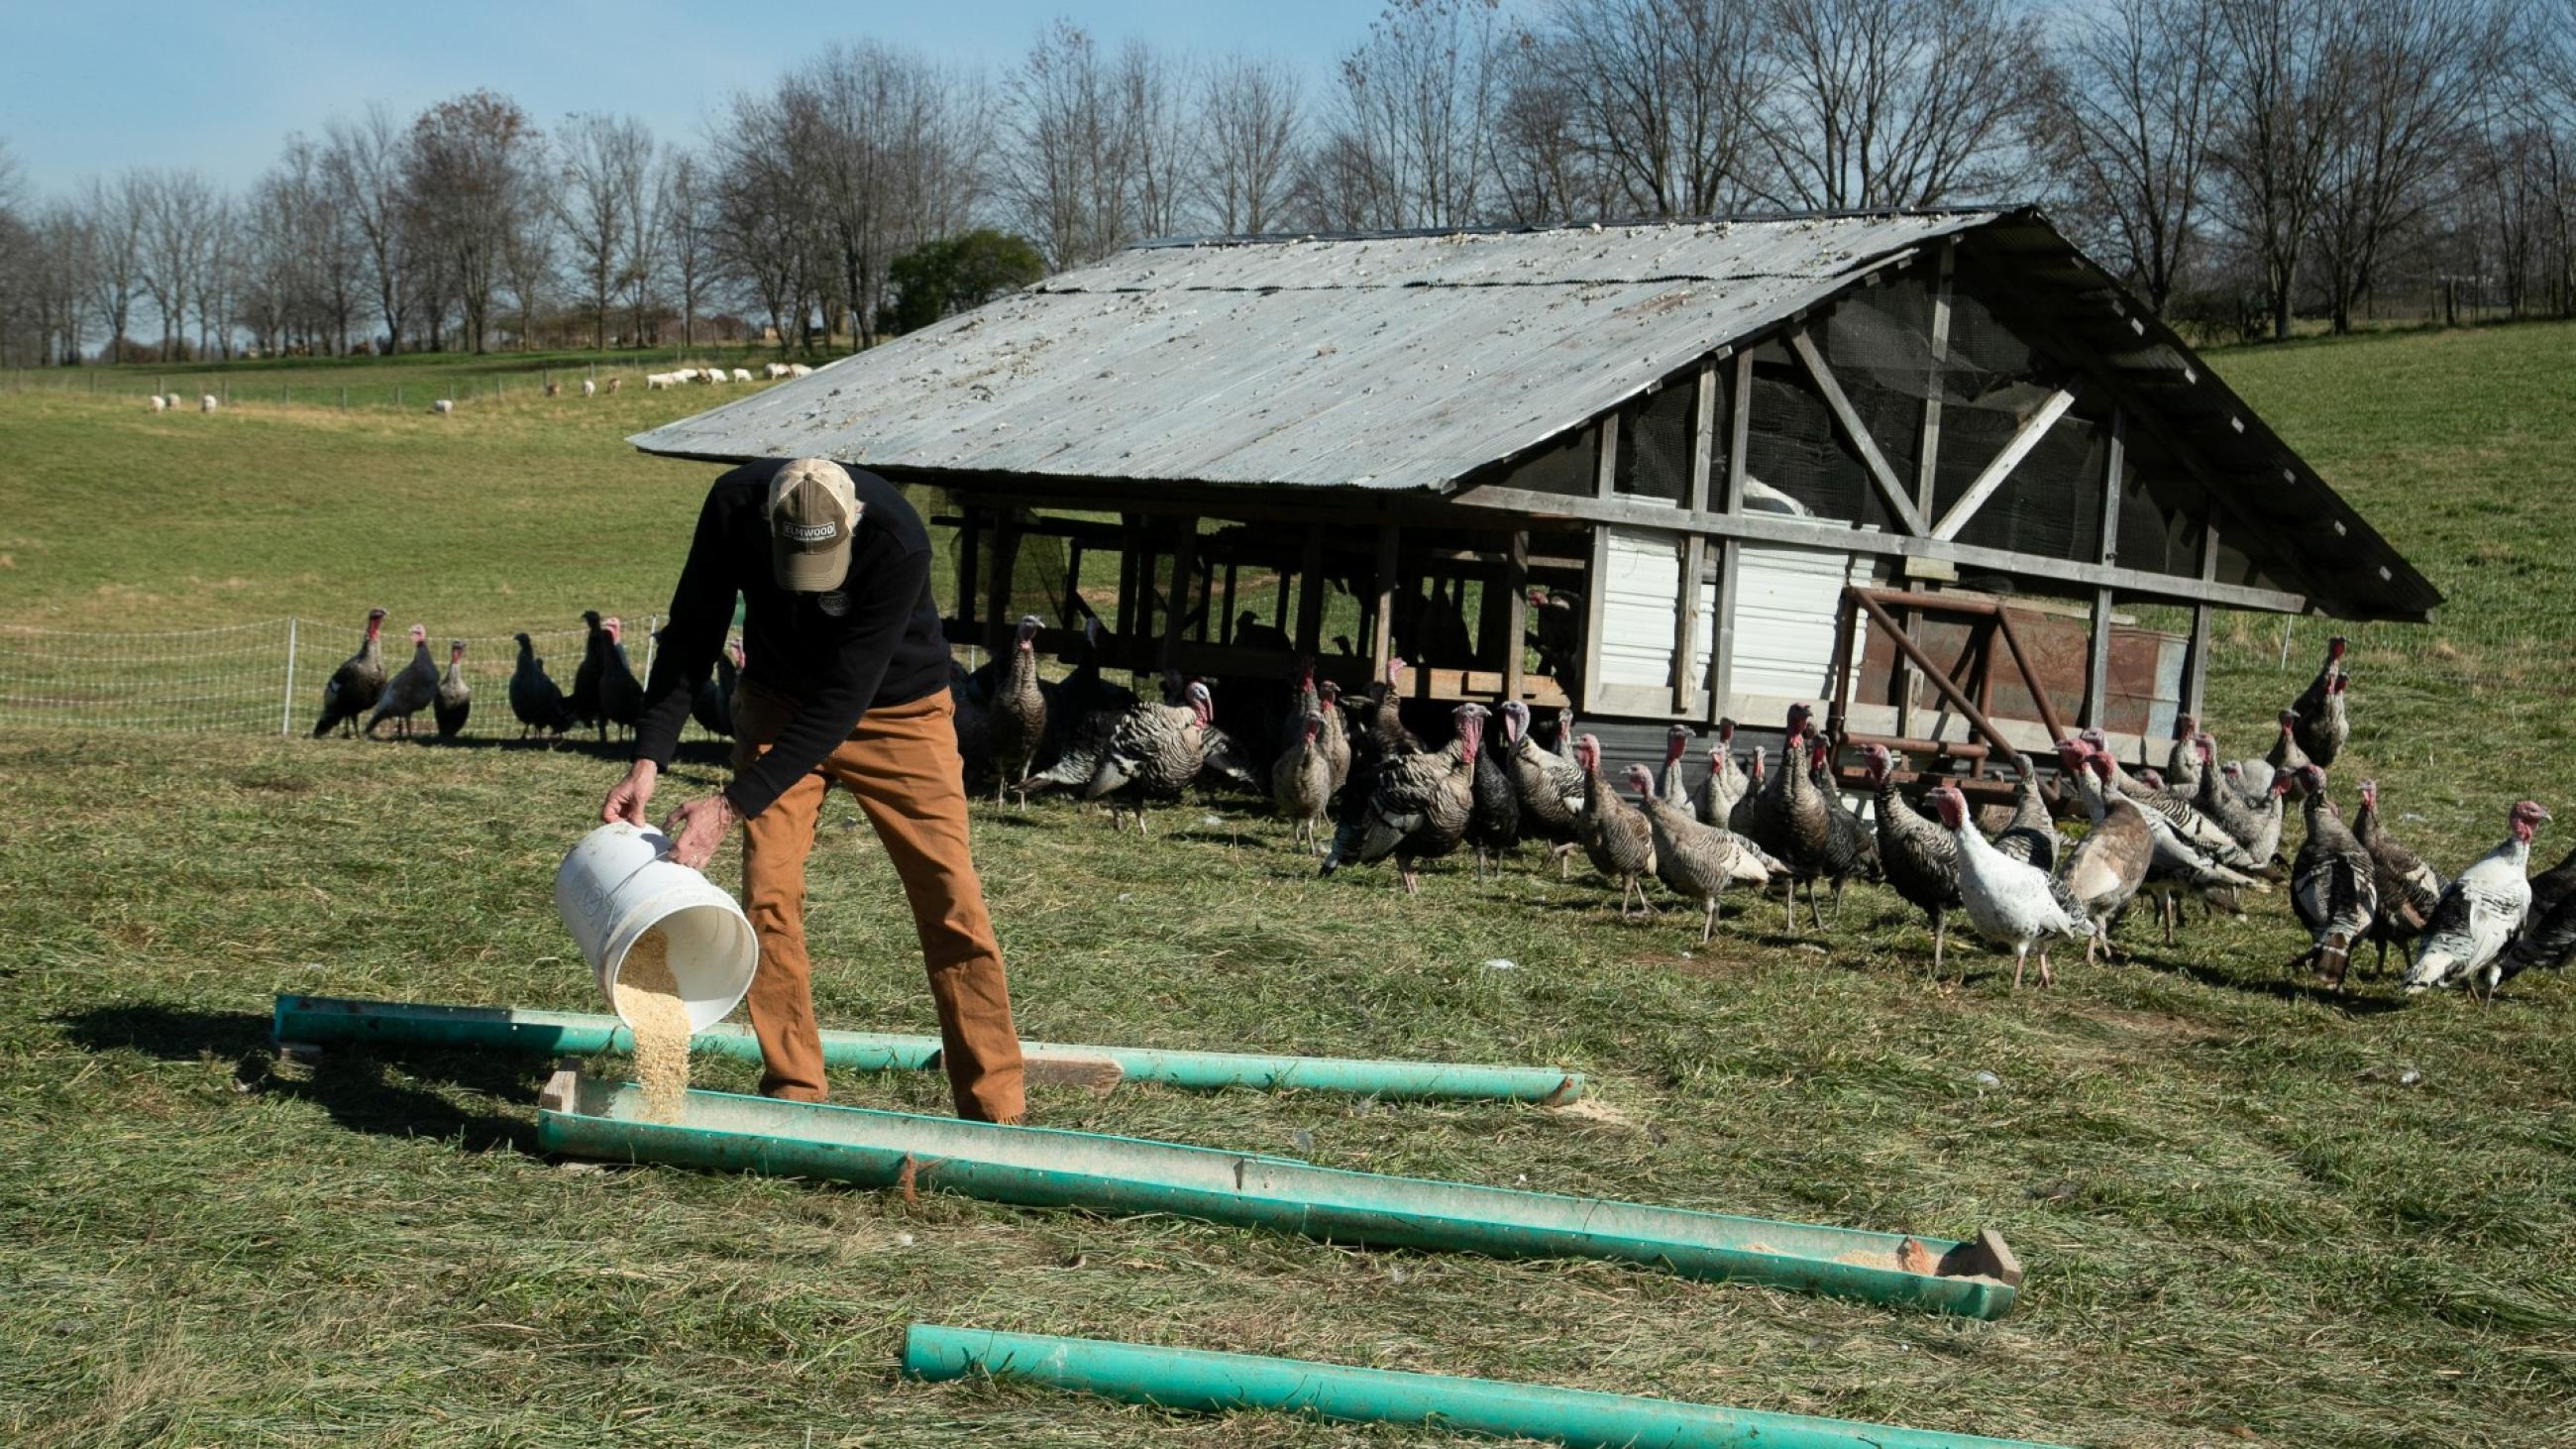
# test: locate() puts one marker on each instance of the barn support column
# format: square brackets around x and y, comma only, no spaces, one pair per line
[998,619]
[1310,593]
[1721,654]
[1515,613]
[1686,620]
[1605,477]
[2097,656]
[1927,463]
[1382,592]
[2195,655]
[1185,541]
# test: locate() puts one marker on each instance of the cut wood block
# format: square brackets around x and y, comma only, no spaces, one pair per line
[560,1090]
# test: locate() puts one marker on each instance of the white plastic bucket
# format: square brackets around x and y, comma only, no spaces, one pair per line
[614,886]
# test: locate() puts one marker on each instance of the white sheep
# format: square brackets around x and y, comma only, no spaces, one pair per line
[685,374]
[777,370]
[798,369]
[175,401]
[712,374]
[443,406]
[589,388]
[656,381]
[207,403]
[159,403]
[742,374]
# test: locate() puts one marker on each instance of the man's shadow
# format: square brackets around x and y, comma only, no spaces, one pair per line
[349,1080]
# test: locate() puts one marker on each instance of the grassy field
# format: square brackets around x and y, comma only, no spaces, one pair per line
[408,380]
[2250,1212]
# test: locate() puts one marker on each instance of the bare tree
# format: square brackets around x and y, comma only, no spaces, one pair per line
[604,161]
[1883,103]
[2123,126]
[1070,153]
[113,218]
[1666,95]
[1249,121]
[1163,145]
[17,255]
[465,176]
[1545,169]
[2418,69]
[643,255]
[689,238]
[528,256]
[770,242]
[366,162]
[1414,114]
[2284,84]
[179,216]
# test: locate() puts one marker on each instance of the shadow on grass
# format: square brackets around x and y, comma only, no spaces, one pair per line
[716,754]
[2348,1002]
[349,1081]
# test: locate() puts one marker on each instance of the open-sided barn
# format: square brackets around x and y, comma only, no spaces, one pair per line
[1924,467]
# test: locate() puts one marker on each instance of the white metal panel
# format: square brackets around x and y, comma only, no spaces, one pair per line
[1785,601]
[1640,598]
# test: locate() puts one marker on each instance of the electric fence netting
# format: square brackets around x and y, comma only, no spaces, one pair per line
[258,678]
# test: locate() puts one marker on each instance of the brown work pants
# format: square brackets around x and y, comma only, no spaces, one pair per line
[901,762]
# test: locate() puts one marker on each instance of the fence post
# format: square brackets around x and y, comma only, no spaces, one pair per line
[286,707]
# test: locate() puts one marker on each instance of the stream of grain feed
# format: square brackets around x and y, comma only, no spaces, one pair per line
[650,1001]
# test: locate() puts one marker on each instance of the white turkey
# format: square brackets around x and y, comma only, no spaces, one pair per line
[2028,834]
[2480,911]
[2009,902]
[2333,885]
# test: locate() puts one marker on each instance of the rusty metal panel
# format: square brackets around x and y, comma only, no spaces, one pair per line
[2146,668]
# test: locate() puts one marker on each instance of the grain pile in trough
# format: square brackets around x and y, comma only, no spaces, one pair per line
[650,1001]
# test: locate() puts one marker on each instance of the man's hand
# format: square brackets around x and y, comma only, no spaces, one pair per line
[697,828]
[627,798]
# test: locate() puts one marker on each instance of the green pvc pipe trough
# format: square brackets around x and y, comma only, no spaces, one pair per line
[1121,1176]
[324,1019]
[1181,1378]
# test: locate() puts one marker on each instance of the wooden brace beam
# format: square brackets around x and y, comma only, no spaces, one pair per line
[1879,471]
[2033,428]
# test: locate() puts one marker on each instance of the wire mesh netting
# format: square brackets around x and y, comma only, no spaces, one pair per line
[258,678]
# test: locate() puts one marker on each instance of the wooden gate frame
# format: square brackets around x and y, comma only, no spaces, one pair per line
[1873,605]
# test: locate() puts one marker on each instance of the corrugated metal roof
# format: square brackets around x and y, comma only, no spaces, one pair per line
[1399,362]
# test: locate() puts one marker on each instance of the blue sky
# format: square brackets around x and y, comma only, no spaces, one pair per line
[91,86]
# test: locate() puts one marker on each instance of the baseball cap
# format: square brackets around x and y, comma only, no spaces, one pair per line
[813,510]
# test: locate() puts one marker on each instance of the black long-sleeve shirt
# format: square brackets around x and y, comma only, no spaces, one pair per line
[875,641]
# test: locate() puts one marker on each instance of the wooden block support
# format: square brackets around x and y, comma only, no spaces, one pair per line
[561,1089]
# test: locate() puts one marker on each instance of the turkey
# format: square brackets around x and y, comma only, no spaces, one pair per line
[584,699]
[1788,818]
[1739,816]
[2257,828]
[2332,884]
[1419,802]
[1695,860]
[712,705]
[621,694]
[1725,783]
[1251,633]
[2552,886]
[1016,713]
[2009,902]
[2176,816]
[2183,762]
[1385,717]
[1337,733]
[971,720]
[2547,942]
[354,686]
[409,691]
[2028,834]
[1301,782]
[2407,888]
[1919,858]
[1155,752]
[1303,699]
[1616,838]
[2285,757]
[534,697]
[1672,787]
[454,699]
[1494,824]
[2183,865]
[2317,716]
[1088,711]
[2102,872]
[1225,764]
[1556,628]
[2479,911]
[1854,848]
[1550,789]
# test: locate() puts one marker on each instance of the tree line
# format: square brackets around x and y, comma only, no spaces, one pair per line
[2241,163]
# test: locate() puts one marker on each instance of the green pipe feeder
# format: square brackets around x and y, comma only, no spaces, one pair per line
[1180,1378]
[1042,1167]
[325,1019]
